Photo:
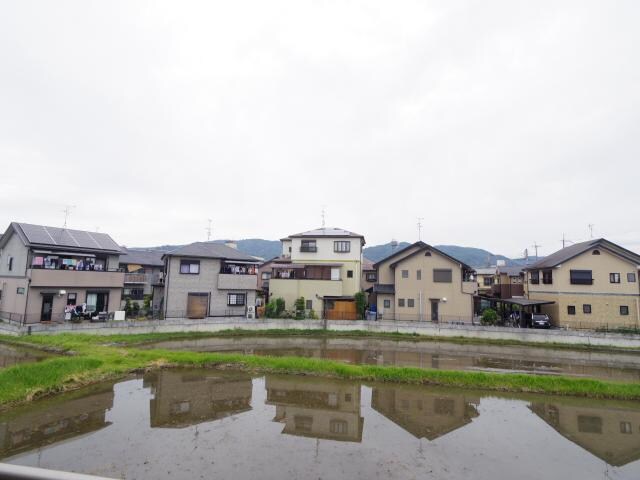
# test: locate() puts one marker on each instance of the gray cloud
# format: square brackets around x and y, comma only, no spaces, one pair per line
[500,123]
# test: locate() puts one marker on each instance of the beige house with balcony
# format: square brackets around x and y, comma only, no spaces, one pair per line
[207,279]
[47,271]
[324,266]
[422,283]
[143,270]
[593,284]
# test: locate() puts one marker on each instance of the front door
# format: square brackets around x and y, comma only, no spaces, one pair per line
[47,307]
[434,310]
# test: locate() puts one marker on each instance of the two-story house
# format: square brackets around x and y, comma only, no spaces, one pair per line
[593,284]
[143,269]
[206,279]
[423,283]
[324,267]
[46,270]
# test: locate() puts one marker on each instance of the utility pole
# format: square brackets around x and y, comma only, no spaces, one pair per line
[208,229]
[67,213]
[420,219]
[591,225]
[536,247]
[565,241]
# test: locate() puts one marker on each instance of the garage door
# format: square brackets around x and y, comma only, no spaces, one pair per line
[197,305]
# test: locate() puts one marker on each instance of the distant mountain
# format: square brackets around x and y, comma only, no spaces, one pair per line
[475,257]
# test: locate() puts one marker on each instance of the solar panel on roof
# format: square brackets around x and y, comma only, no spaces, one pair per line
[39,234]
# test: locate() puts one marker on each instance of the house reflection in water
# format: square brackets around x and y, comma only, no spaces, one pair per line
[188,397]
[610,431]
[326,409]
[423,412]
[51,421]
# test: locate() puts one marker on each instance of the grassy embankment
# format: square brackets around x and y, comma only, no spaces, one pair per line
[93,358]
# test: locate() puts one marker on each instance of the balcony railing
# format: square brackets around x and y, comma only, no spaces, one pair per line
[136,278]
[309,248]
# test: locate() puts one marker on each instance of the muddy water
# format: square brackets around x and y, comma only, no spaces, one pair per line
[187,424]
[10,355]
[439,355]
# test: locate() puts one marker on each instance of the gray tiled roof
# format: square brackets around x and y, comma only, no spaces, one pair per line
[55,237]
[140,256]
[510,271]
[578,248]
[211,250]
[327,232]
[384,288]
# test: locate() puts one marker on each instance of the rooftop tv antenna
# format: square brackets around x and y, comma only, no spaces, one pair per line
[324,215]
[420,219]
[208,229]
[591,225]
[536,247]
[394,245]
[67,213]
[565,241]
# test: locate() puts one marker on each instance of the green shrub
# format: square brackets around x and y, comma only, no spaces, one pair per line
[279,305]
[361,304]
[299,308]
[312,315]
[489,317]
[128,310]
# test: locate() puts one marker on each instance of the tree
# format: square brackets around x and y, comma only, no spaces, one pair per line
[361,304]
[135,309]
[279,305]
[299,308]
[127,306]
[489,317]
[147,302]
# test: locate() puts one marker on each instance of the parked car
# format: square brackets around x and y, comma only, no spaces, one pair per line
[540,320]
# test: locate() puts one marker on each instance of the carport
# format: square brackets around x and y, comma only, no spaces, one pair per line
[526,307]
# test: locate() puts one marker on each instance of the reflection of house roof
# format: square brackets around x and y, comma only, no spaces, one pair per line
[602,445]
[140,256]
[574,250]
[211,250]
[57,238]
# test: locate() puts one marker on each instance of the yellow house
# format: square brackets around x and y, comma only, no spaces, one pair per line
[323,266]
[422,283]
[594,284]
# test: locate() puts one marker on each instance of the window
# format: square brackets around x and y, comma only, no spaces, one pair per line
[614,278]
[442,275]
[580,277]
[71,298]
[596,252]
[535,277]
[266,275]
[547,277]
[190,267]
[303,423]
[309,304]
[387,304]
[625,427]
[371,277]
[571,310]
[427,253]
[624,310]
[347,397]
[20,290]
[410,303]
[342,246]
[338,427]
[349,273]
[487,281]
[401,302]
[405,273]
[588,424]
[631,277]
[419,274]
[235,299]
[586,308]
[10,263]
[308,246]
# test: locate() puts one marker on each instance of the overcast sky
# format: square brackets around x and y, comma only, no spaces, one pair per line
[500,123]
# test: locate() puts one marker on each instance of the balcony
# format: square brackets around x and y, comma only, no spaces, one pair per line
[75,278]
[136,278]
[470,287]
[230,281]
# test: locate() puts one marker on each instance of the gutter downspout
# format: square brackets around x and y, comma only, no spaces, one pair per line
[166,287]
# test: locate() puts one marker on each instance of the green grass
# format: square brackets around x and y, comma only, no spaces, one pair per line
[90,359]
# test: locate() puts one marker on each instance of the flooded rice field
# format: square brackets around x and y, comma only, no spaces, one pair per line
[10,355]
[424,354]
[191,424]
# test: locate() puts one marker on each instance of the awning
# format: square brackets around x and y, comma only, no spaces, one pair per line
[133,267]
[522,302]
[288,266]
[242,262]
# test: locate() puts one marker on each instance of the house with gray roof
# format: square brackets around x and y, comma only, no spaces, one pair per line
[46,271]
[207,279]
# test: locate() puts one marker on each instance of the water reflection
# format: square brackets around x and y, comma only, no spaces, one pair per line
[188,397]
[10,355]
[321,409]
[422,412]
[610,432]
[51,421]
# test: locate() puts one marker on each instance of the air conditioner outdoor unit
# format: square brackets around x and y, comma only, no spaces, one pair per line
[251,312]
